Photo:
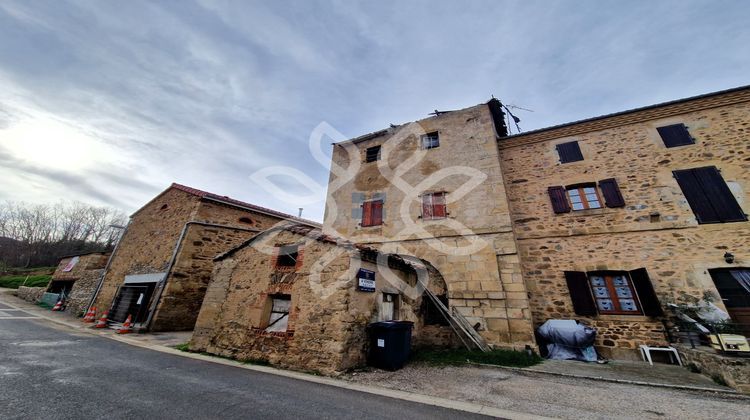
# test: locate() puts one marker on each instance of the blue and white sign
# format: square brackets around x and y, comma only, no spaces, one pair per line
[365,280]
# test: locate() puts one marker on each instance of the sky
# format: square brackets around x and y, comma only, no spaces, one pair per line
[109,102]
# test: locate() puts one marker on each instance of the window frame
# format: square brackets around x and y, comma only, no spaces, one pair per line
[368,156]
[270,322]
[433,138]
[608,277]
[432,205]
[582,195]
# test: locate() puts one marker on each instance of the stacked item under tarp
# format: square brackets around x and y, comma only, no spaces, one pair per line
[566,339]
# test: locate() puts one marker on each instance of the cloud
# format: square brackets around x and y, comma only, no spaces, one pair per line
[209,92]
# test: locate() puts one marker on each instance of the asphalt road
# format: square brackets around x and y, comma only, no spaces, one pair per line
[48,372]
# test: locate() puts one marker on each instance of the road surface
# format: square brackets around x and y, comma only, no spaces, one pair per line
[50,372]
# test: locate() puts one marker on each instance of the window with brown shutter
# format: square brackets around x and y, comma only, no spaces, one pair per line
[433,206]
[675,135]
[611,193]
[580,293]
[569,152]
[646,294]
[612,293]
[372,213]
[559,199]
[708,195]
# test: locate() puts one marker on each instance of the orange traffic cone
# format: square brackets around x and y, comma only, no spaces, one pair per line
[126,329]
[90,315]
[102,323]
[58,306]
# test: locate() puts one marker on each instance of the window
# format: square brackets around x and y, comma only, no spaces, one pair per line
[708,195]
[430,141]
[675,135]
[287,256]
[246,220]
[372,213]
[278,320]
[389,307]
[433,206]
[372,154]
[569,152]
[612,293]
[585,196]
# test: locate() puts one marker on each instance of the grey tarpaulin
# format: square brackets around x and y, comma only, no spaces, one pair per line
[566,339]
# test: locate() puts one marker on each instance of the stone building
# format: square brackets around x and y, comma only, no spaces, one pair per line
[434,189]
[161,266]
[294,297]
[77,277]
[617,216]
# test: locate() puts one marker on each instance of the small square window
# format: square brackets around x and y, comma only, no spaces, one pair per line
[675,135]
[372,154]
[287,256]
[430,141]
[569,152]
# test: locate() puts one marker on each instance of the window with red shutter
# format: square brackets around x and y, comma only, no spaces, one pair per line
[433,206]
[372,213]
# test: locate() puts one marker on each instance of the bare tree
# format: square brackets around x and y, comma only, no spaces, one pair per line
[38,234]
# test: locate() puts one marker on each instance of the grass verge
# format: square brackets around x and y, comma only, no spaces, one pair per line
[13,282]
[462,356]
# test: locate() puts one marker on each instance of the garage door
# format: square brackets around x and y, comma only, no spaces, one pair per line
[132,300]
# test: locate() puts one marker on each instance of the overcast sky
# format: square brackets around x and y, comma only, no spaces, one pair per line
[109,102]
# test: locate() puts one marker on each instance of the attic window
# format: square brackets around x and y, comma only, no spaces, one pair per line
[430,141]
[247,220]
[164,207]
[569,152]
[287,256]
[372,154]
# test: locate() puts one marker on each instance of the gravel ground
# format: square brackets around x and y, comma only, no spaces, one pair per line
[559,397]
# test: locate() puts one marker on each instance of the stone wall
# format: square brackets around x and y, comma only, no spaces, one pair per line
[656,229]
[733,371]
[30,294]
[148,243]
[473,248]
[187,282]
[85,275]
[329,316]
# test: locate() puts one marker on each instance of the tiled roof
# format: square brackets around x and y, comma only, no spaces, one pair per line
[238,203]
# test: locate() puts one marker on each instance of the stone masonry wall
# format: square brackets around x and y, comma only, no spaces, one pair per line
[187,282]
[148,243]
[485,282]
[85,275]
[328,319]
[656,229]
[30,294]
